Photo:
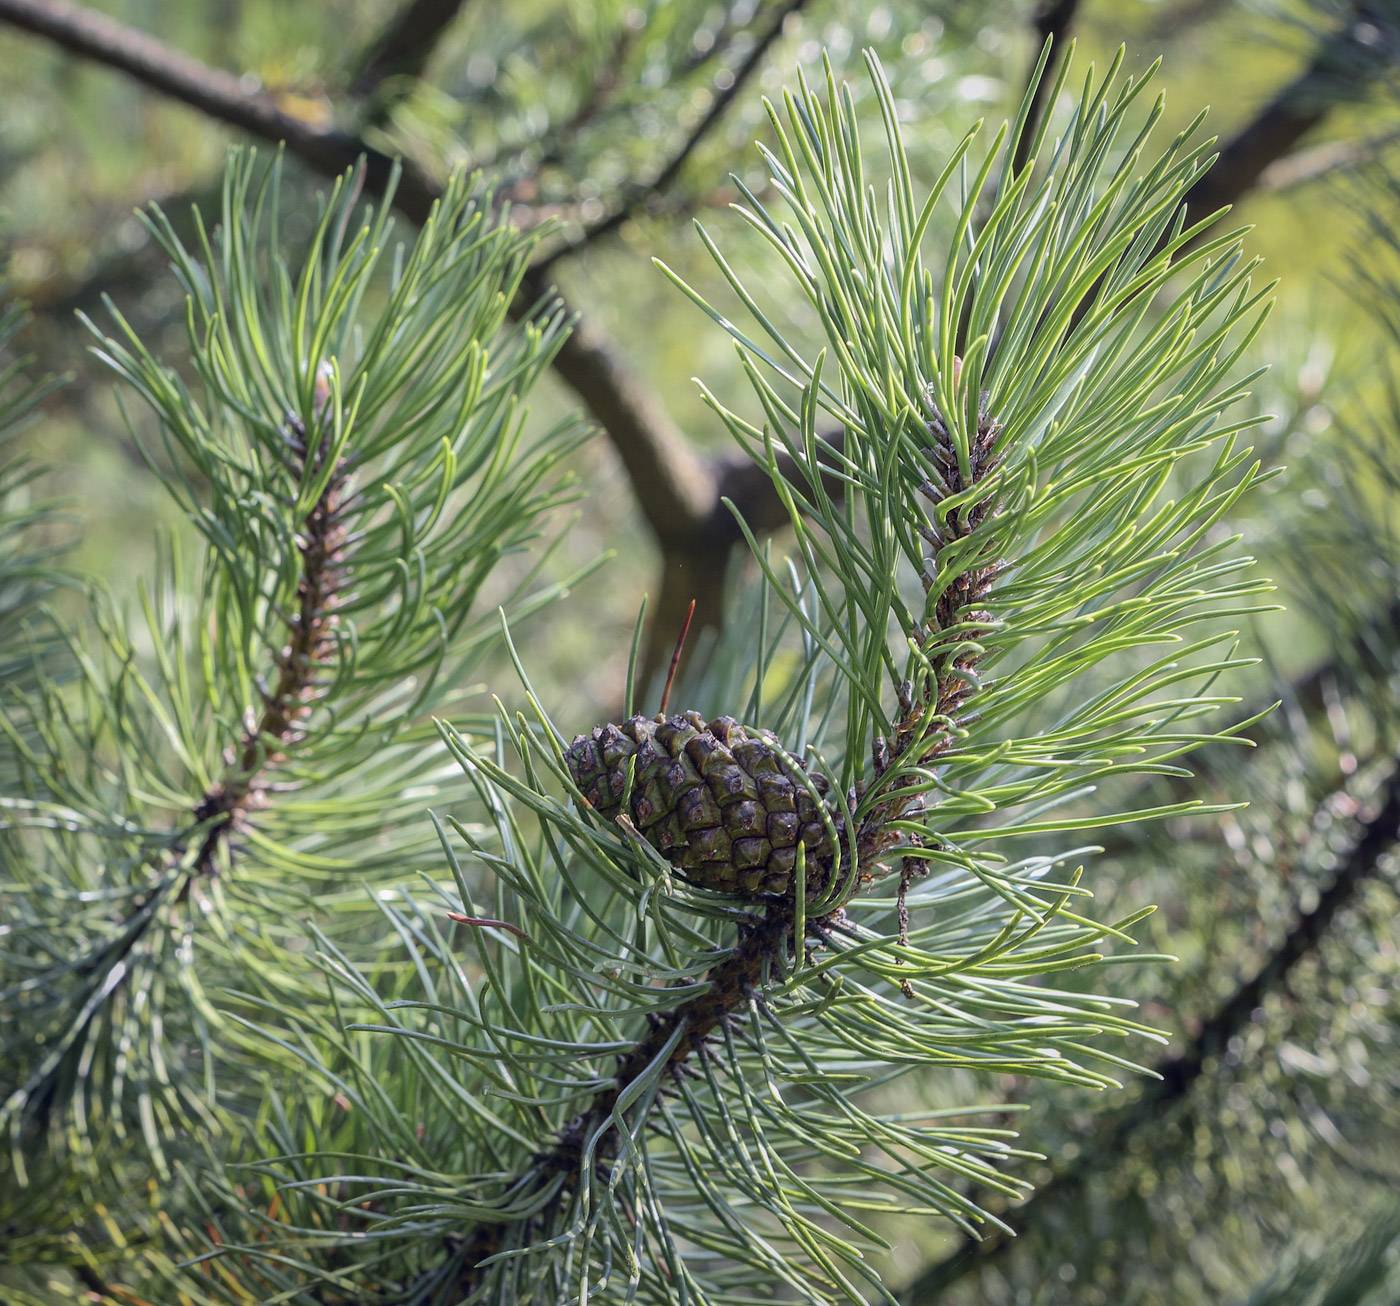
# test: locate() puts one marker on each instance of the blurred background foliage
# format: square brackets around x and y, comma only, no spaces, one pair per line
[1263,1166]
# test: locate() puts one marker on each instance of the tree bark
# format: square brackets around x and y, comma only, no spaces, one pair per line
[407,43]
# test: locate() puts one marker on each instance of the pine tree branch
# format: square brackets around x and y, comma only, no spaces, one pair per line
[677,490]
[309,646]
[767,941]
[1177,1075]
[642,194]
[111,963]
[405,45]
[959,521]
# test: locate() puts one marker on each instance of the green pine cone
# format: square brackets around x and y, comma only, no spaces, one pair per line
[718,801]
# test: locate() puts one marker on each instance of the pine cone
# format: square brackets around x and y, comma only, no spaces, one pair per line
[718,801]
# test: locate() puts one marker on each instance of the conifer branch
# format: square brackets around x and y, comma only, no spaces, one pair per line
[768,942]
[228,801]
[407,42]
[678,491]
[957,605]
[631,204]
[449,488]
[303,662]
[1174,1077]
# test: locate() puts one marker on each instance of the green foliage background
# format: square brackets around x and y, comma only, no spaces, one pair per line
[1272,1180]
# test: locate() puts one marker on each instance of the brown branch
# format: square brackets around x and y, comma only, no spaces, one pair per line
[678,492]
[320,541]
[1342,67]
[406,44]
[695,555]
[642,194]
[219,94]
[675,486]
[1177,1075]
[1053,19]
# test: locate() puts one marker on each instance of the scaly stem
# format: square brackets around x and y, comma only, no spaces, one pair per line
[287,704]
